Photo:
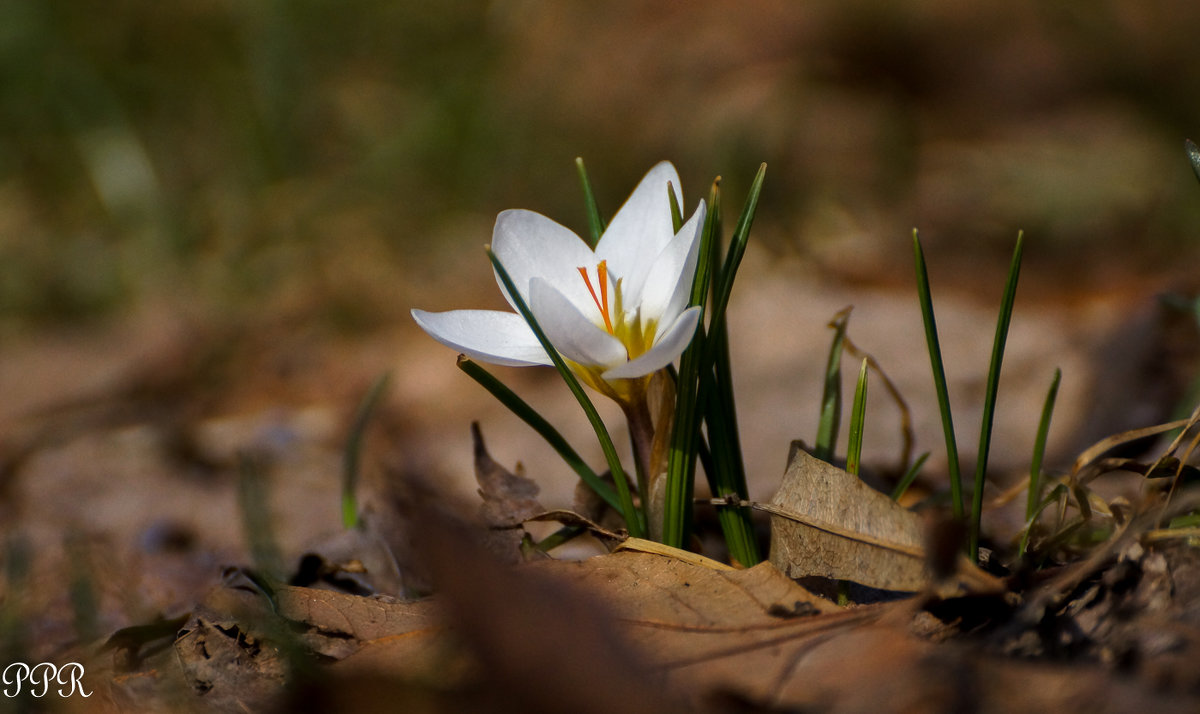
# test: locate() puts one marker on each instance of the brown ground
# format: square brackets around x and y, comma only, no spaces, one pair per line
[123,443]
[309,179]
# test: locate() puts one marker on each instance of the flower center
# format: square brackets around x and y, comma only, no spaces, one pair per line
[627,328]
[600,299]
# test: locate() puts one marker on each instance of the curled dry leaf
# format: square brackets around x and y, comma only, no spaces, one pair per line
[509,499]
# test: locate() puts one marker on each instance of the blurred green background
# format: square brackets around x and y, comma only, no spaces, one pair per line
[340,158]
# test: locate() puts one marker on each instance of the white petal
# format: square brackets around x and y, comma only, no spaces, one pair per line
[640,229]
[672,344]
[575,337]
[530,245]
[485,335]
[669,282]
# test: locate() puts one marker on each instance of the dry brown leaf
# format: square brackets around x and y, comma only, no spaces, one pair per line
[235,650]
[648,589]
[1084,468]
[336,625]
[538,640]
[630,631]
[641,545]
[882,669]
[509,499]
[601,634]
[711,630]
[830,524]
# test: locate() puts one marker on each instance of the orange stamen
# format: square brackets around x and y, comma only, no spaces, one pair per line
[602,273]
[601,300]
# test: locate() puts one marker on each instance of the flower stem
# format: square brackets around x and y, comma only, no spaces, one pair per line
[641,436]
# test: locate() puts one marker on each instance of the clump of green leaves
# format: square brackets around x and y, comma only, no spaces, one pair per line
[704,392]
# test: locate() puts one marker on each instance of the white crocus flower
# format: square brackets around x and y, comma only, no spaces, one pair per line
[616,314]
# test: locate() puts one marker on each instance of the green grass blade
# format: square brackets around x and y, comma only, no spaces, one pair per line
[858,417]
[1190,520]
[254,504]
[1056,494]
[939,378]
[909,476]
[353,454]
[715,391]
[737,248]
[557,538]
[595,221]
[545,429]
[81,587]
[676,212]
[831,394]
[729,471]
[633,521]
[1039,447]
[705,382]
[681,454]
[989,399]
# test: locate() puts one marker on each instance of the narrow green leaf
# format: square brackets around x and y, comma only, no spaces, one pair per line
[728,475]
[709,251]
[1188,520]
[633,521]
[737,248]
[858,417]
[989,399]
[705,369]
[939,378]
[681,454]
[558,537]
[1039,447]
[353,454]
[729,472]
[530,416]
[676,212]
[256,518]
[81,587]
[1056,494]
[909,476]
[831,395]
[715,257]
[595,222]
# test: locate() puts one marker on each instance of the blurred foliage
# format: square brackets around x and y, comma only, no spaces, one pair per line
[331,153]
[227,142]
